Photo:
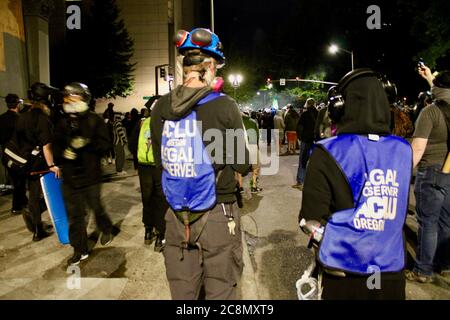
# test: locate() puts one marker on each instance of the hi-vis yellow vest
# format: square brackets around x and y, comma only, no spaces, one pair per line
[145,151]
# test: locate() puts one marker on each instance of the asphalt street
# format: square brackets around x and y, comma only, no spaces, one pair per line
[275,253]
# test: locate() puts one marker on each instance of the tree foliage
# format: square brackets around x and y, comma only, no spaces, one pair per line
[431,26]
[101,51]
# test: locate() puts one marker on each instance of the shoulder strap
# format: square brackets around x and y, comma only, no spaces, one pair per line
[211,96]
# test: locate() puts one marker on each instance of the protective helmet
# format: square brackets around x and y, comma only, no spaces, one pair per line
[78,89]
[201,39]
[40,92]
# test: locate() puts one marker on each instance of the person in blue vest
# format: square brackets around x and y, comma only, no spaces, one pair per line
[357,186]
[153,201]
[199,140]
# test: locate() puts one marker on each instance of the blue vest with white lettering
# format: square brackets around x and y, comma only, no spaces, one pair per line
[188,178]
[369,236]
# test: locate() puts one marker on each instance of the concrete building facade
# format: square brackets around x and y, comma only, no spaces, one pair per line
[152,24]
[24,46]
[33,33]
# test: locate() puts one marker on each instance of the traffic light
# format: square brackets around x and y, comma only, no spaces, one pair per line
[162,73]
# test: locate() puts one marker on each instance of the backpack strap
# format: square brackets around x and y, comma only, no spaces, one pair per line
[445,109]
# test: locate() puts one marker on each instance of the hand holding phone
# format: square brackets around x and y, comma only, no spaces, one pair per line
[421,64]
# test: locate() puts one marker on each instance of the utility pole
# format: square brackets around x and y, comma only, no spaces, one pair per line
[212,15]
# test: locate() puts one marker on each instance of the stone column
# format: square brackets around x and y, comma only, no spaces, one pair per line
[36,15]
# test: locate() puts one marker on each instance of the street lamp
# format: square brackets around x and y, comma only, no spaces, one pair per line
[333,49]
[235,80]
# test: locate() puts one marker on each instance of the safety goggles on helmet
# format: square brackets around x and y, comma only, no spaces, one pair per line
[202,39]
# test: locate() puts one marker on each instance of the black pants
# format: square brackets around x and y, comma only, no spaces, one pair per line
[77,201]
[35,200]
[119,150]
[153,200]
[352,287]
[19,180]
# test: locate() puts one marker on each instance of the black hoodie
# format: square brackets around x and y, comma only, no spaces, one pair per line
[221,113]
[326,189]
[366,108]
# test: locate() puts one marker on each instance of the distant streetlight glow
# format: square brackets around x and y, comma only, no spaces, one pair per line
[235,80]
[333,49]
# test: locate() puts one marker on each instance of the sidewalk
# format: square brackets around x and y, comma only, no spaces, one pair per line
[125,269]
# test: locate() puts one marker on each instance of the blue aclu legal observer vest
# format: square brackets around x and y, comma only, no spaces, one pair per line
[188,177]
[369,236]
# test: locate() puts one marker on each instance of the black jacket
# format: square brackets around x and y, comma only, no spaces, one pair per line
[326,189]
[85,170]
[221,113]
[8,122]
[306,125]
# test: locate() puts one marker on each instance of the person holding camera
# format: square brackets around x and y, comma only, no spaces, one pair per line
[361,199]
[431,142]
[35,135]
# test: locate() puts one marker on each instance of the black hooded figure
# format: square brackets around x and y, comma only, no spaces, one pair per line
[364,112]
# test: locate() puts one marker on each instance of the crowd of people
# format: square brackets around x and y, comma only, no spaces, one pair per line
[354,170]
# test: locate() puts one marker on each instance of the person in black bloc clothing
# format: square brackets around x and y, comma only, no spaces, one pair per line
[81,138]
[35,136]
[154,204]
[8,123]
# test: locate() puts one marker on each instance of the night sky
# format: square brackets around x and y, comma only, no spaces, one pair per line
[289,38]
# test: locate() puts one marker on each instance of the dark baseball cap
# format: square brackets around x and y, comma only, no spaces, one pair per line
[442,80]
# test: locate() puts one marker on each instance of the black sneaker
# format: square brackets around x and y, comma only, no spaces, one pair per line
[150,236]
[77,258]
[255,190]
[106,238]
[40,233]
[159,244]
[16,212]
[298,186]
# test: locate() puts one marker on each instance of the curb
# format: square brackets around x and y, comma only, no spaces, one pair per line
[248,284]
